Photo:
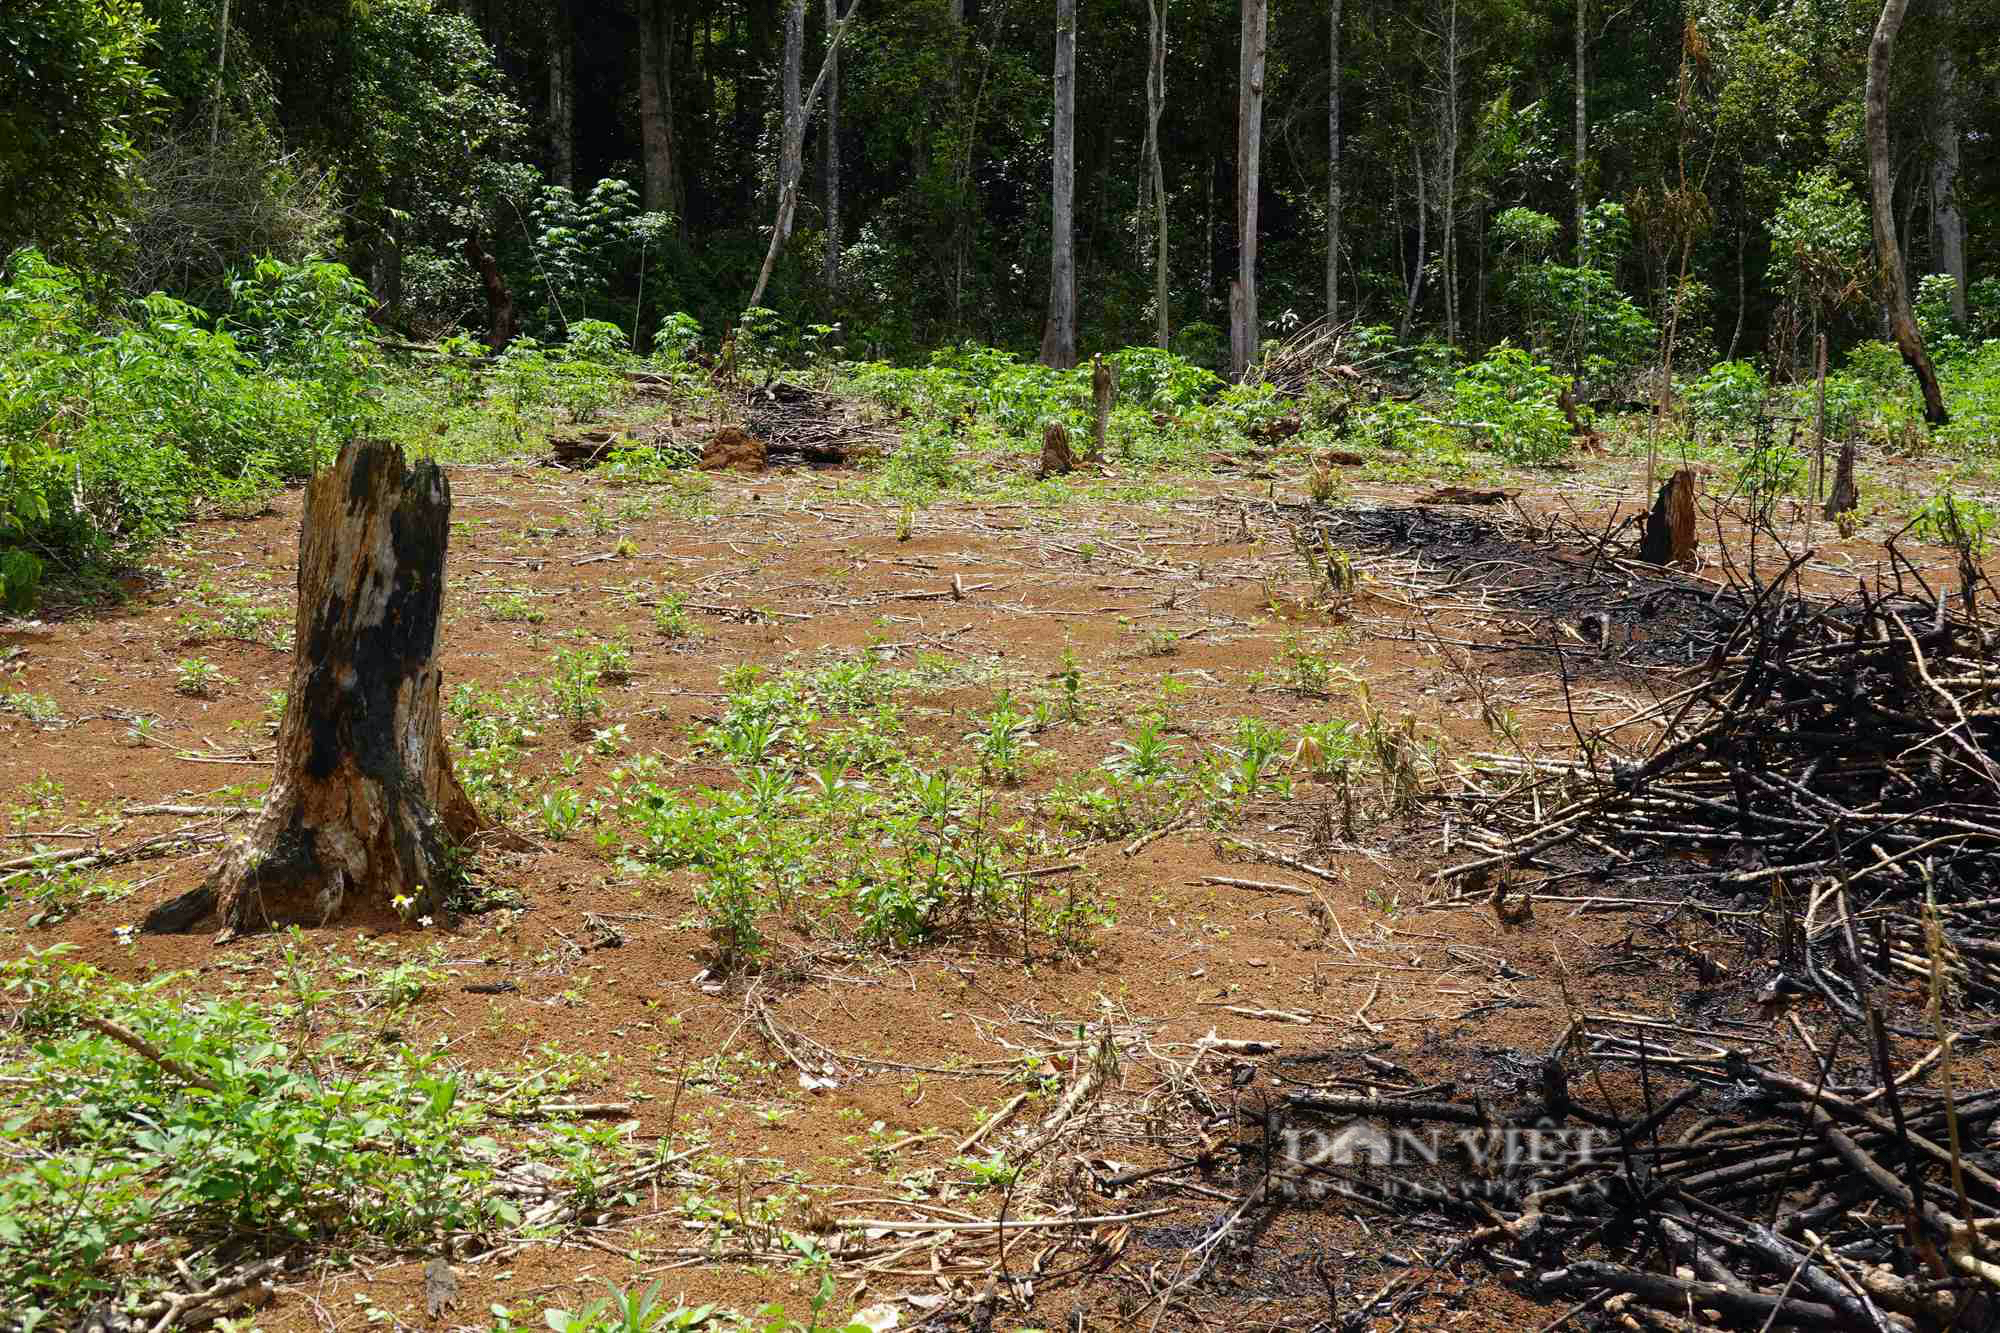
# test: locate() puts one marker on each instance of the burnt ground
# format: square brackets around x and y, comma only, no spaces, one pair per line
[1350,973]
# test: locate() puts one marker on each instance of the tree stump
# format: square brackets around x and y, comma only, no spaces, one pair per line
[501,322]
[364,809]
[1057,459]
[1844,495]
[1670,530]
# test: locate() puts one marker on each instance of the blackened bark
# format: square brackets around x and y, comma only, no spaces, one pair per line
[501,323]
[363,809]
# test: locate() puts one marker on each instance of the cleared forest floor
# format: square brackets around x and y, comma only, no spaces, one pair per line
[1155,957]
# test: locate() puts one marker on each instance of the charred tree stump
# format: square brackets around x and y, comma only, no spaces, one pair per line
[501,322]
[1670,527]
[1843,497]
[363,809]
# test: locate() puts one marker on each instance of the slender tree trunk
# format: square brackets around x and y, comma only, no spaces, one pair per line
[1333,167]
[1244,329]
[1742,244]
[961,230]
[829,140]
[1447,192]
[562,96]
[1156,102]
[1423,239]
[221,69]
[363,810]
[1948,218]
[1582,126]
[387,283]
[791,138]
[1208,242]
[1059,334]
[662,189]
[791,153]
[1895,287]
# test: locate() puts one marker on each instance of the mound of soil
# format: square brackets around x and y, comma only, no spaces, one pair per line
[733,449]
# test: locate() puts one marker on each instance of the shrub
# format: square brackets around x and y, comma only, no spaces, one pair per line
[1952,520]
[1575,315]
[596,257]
[1517,397]
[111,431]
[309,321]
[1944,337]
[678,337]
[1161,381]
[206,206]
[1728,395]
[20,581]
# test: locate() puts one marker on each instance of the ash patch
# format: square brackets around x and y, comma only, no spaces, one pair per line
[1588,604]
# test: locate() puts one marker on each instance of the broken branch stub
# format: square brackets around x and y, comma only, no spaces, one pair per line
[363,809]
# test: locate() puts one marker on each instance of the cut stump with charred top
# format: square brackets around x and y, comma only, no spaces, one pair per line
[364,810]
[1670,527]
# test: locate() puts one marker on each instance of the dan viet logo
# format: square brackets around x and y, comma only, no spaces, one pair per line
[1501,1159]
[1356,1143]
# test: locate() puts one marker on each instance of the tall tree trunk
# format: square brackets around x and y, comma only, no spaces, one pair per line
[221,70]
[662,190]
[1333,166]
[1244,329]
[797,111]
[1417,269]
[1156,102]
[791,137]
[1447,191]
[1208,242]
[829,140]
[1582,126]
[363,810]
[1059,334]
[387,272]
[961,220]
[562,96]
[1948,218]
[1742,244]
[1895,287]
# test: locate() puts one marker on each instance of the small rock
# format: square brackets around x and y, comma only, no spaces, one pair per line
[1253,961]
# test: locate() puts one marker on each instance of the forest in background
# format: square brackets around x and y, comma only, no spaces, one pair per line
[224,219]
[1486,157]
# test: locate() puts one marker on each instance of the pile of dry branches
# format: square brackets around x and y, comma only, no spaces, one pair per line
[1317,353]
[1731,1195]
[809,425]
[1836,763]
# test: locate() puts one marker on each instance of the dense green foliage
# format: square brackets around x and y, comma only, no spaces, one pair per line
[1722,164]
[75,96]
[1718,223]
[112,429]
[226,1133]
